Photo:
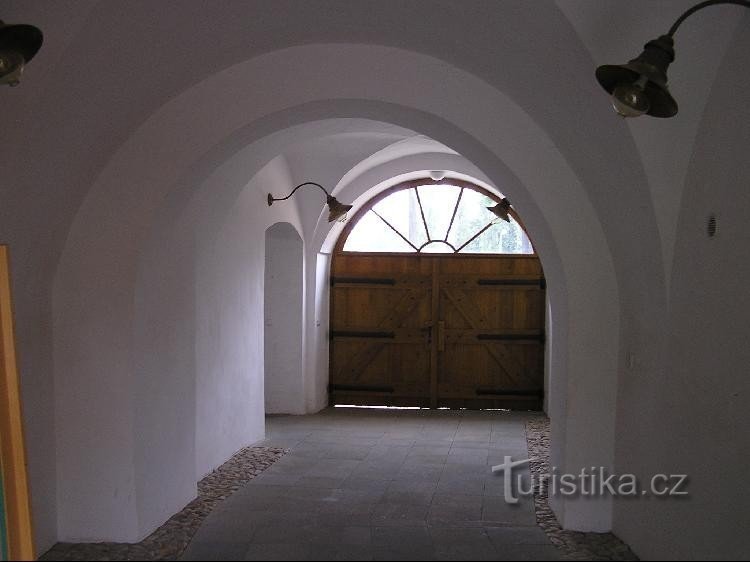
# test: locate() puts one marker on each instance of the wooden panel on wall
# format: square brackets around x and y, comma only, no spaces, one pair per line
[17,514]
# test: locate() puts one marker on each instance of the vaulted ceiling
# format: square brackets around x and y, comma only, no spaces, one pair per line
[106,66]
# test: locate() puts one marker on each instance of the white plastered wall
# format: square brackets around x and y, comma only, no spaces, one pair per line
[692,417]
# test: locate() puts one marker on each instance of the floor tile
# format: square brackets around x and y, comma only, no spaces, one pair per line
[496,510]
[501,536]
[215,550]
[527,552]
[370,484]
[354,553]
[283,551]
[399,514]
[401,537]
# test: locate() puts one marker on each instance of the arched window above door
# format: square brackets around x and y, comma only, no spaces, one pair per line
[427,217]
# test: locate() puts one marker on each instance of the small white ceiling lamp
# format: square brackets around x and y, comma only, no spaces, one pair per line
[437,175]
[337,211]
[18,45]
[640,86]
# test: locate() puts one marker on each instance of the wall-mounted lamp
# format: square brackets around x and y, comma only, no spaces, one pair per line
[640,86]
[18,45]
[501,209]
[336,211]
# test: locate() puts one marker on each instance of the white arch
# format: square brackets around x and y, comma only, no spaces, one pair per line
[95,283]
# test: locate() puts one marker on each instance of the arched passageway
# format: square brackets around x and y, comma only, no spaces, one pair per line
[156,206]
[203,209]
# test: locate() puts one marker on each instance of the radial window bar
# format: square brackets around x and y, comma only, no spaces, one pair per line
[424,220]
[452,247]
[477,235]
[453,216]
[396,230]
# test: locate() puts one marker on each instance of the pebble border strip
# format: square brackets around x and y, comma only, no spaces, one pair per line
[572,545]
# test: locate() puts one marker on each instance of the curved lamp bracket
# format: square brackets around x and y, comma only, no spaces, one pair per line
[337,211]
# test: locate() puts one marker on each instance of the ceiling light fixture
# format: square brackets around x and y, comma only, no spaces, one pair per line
[640,86]
[18,45]
[501,209]
[337,211]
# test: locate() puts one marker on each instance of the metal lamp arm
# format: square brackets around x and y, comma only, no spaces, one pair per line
[296,188]
[702,5]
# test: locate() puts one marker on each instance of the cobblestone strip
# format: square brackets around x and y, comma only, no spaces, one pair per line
[572,545]
[170,540]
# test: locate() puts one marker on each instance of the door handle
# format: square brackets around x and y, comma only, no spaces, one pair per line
[441,335]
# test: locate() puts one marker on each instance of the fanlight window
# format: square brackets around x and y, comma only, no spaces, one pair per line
[436,219]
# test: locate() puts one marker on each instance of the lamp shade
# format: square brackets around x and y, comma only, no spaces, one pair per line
[18,45]
[501,210]
[337,211]
[646,74]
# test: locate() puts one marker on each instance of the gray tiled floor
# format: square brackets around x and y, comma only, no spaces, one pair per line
[380,485]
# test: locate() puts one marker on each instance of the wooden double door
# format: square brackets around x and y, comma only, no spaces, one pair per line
[437,331]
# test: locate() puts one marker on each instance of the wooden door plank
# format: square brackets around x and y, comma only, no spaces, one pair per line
[354,368]
[478,321]
[434,344]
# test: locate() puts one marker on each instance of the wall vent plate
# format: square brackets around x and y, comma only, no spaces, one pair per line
[711,226]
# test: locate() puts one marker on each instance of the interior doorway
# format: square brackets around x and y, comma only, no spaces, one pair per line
[436,302]
[283,325]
